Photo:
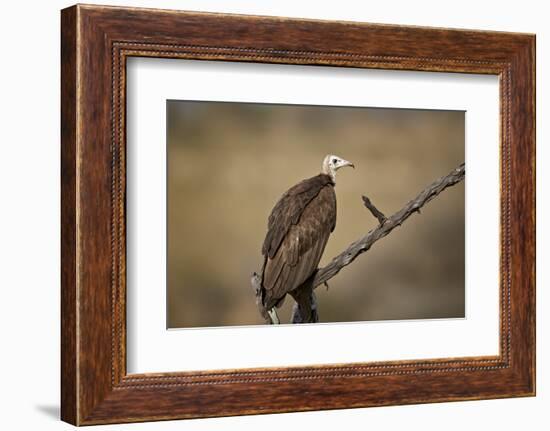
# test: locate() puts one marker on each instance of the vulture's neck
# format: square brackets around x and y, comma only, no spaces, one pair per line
[330,173]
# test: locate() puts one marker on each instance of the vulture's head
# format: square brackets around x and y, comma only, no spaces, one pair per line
[332,163]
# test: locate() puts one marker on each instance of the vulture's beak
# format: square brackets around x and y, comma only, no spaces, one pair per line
[346,163]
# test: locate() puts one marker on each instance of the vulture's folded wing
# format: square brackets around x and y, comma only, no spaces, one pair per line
[289,209]
[300,249]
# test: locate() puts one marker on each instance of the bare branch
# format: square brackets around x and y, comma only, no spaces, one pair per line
[375,211]
[305,308]
[397,219]
[257,288]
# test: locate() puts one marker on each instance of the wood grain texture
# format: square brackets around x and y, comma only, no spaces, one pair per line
[69,366]
[96,41]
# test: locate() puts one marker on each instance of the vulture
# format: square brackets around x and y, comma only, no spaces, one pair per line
[297,232]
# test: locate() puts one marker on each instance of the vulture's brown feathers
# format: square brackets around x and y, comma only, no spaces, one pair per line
[298,229]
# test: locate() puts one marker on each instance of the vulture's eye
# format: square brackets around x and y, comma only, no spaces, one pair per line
[334,161]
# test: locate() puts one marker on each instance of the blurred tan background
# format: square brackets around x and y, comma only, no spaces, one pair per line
[228,163]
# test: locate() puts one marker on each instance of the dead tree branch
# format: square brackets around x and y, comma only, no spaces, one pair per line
[305,309]
[397,219]
[375,212]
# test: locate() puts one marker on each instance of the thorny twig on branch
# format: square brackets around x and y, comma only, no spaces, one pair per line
[375,212]
[305,310]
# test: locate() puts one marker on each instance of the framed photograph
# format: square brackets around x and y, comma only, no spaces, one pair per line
[265,215]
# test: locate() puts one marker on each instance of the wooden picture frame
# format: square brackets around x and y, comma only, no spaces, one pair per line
[95,43]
